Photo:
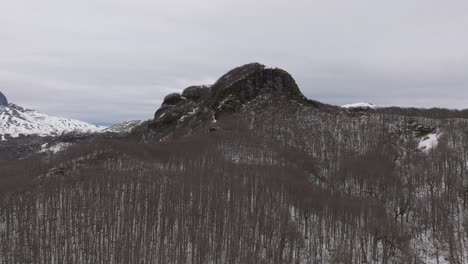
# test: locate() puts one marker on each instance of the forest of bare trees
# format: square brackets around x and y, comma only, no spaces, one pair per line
[297,186]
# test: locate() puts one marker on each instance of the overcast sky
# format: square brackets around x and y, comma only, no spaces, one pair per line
[112,60]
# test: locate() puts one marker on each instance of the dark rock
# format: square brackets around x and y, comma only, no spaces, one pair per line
[3,100]
[420,130]
[247,82]
[423,131]
[195,92]
[213,129]
[172,99]
[230,103]
[235,75]
[170,115]
[198,105]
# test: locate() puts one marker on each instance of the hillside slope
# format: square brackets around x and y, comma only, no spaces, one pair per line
[247,170]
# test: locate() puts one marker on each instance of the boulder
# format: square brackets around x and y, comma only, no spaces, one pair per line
[3,100]
[195,92]
[249,81]
[172,99]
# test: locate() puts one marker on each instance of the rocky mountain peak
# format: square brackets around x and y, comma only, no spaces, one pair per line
[250,80]
[237,74]
[203,104]
[3,100]
[245,83]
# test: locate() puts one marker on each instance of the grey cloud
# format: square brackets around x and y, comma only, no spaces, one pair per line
[106,61]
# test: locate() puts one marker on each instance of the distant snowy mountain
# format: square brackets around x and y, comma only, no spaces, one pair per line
[123,127]
[16,120]
[360,106]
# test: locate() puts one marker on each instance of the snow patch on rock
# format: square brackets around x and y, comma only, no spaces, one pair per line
[189,114]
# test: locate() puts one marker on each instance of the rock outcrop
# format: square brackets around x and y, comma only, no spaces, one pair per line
[227,95]
[196,92]
[3,100]
[249,81]
[201,105]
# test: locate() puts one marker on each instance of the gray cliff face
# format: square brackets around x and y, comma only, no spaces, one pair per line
[230,92]
[202,104]
[3,100]
[237,74]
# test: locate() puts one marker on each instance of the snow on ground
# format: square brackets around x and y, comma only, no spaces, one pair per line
[16,121]
[360,105]
[428,142]
[54,148]
[430,250]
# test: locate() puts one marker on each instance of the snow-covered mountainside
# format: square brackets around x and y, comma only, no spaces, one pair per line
[360,105]
[16,120]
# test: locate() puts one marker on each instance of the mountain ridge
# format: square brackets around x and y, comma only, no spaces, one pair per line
[244,162]
[16,121]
